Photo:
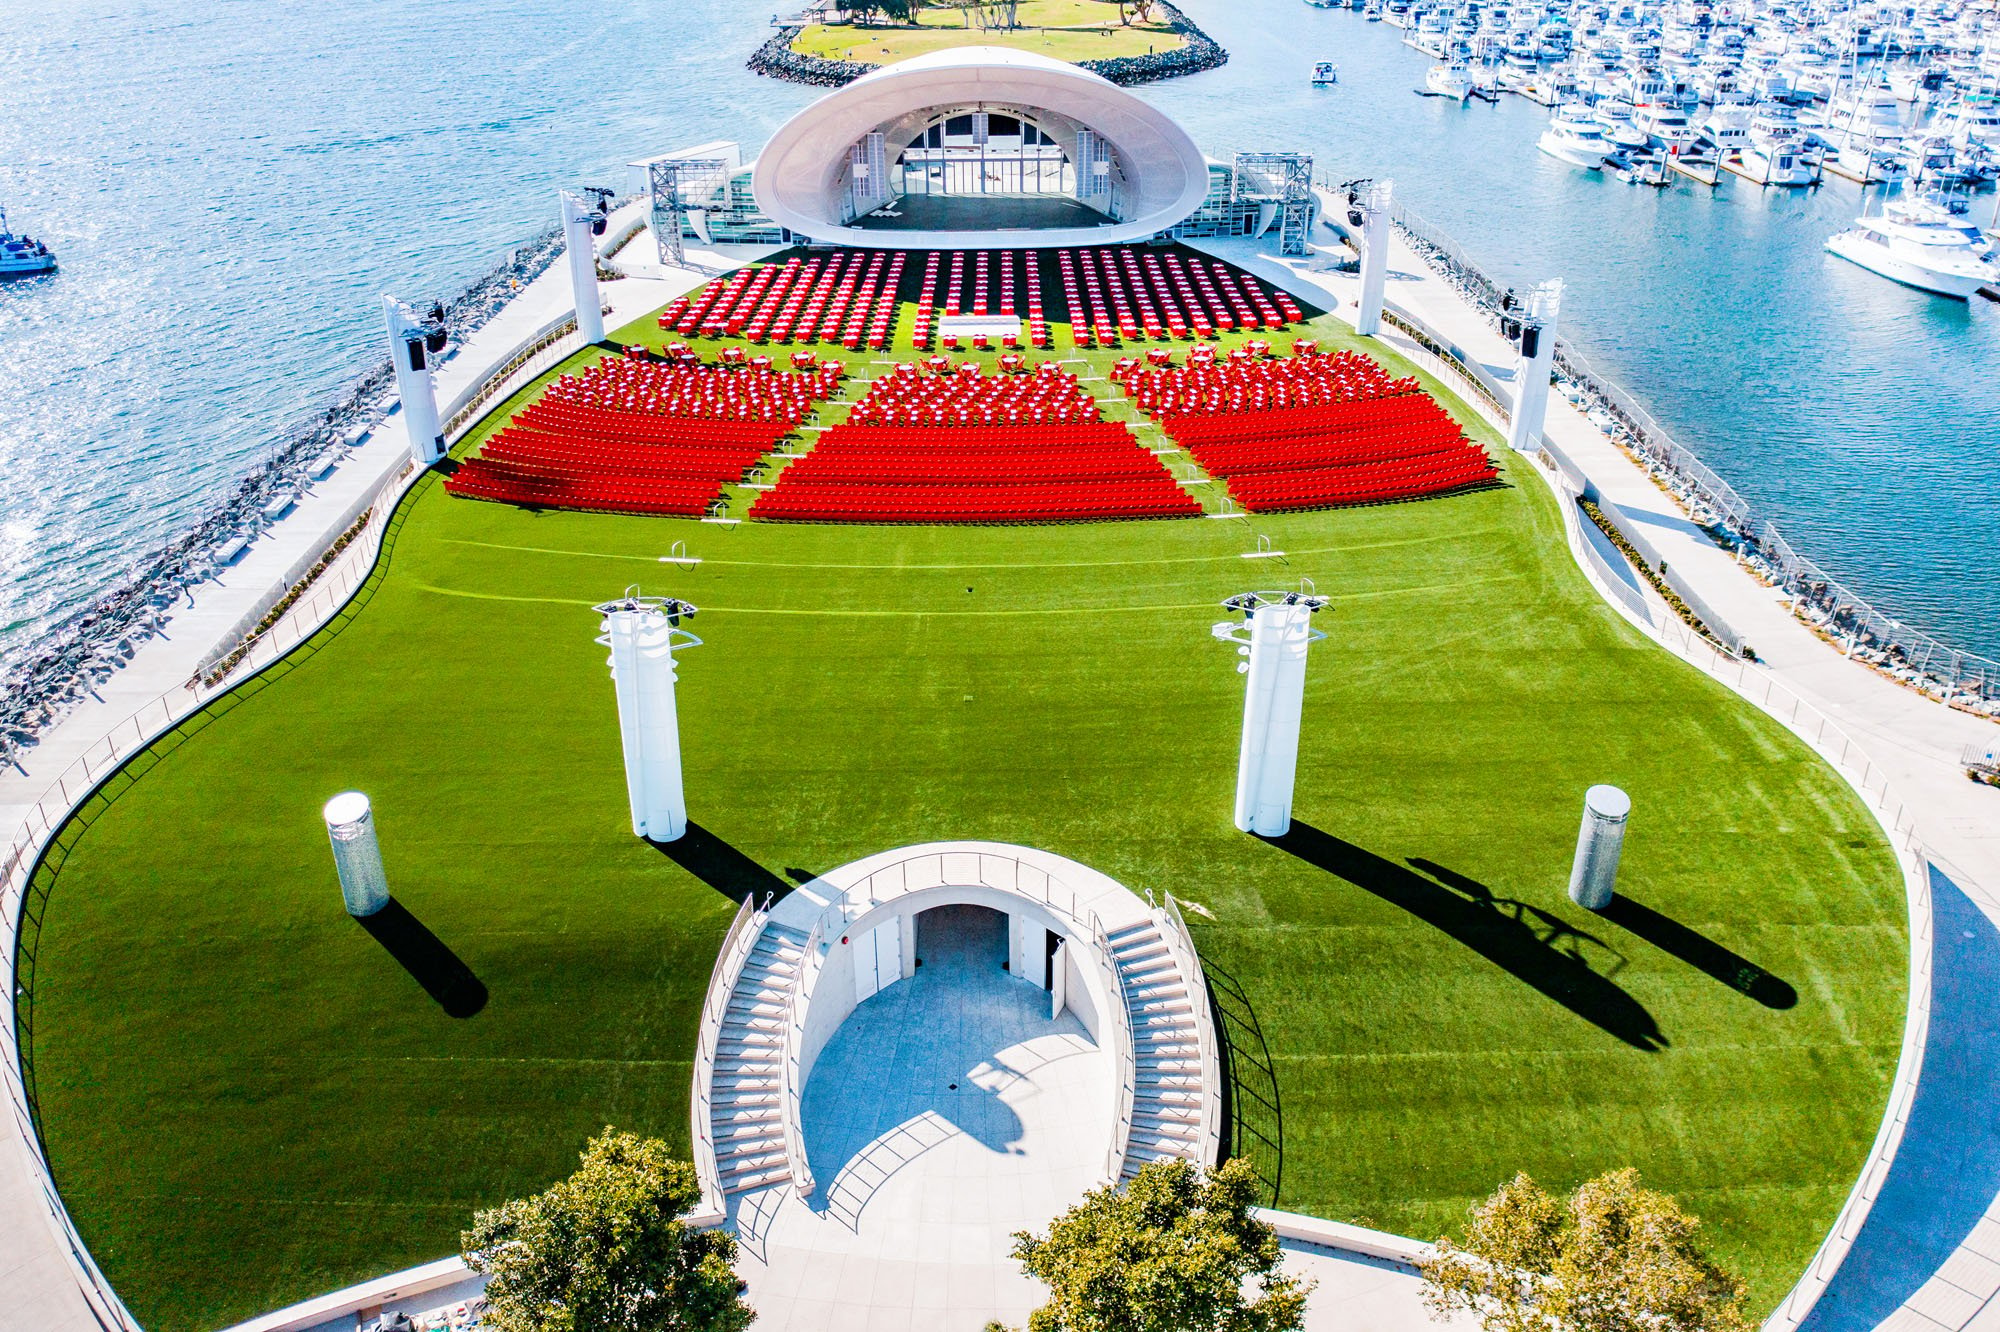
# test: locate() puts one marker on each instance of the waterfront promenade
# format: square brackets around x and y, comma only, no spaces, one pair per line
[39,1287]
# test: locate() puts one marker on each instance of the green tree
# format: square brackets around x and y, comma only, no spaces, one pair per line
[1175,1251]
[1611,1257]
[606,1250]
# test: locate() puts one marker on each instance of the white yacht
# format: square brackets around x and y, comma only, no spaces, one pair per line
[1920,245]
[22,256]
[1727,127]
[1453,80]
[1614,117]
[1574,136]
[1666,127]
[1325,75]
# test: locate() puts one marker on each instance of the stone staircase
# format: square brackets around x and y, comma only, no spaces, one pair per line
[747,1096]
[1166,1049]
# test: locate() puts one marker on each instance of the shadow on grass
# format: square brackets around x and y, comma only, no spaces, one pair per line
[721,866]
[1701,952]
[427,958]
[1534,946]
[1253,1119]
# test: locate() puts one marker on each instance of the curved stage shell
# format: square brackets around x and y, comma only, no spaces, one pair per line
[805,177]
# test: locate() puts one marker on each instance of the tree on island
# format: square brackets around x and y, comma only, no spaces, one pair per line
[1611,1257]
[606,1250]
[1175,1251]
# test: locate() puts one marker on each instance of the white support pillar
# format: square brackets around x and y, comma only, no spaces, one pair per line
[413,381]
[1276,638]
[579,226]
[1375,233]
[643,635]
[1537,362]
[357,856]
[1594,875]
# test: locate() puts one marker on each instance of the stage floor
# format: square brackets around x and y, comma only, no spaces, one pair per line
[981,212]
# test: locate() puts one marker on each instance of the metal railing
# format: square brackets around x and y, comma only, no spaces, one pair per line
[1125,1099]
[744,930]
[317,606]
[1965,680]
[1181,942]
[794,1091]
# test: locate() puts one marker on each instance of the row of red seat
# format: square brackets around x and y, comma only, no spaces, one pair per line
[930,503]
[693,391]
[1291,455]
[1325,488]
[479,479]
[627,459]
[952,298]
[970,396]
[640,427]
[1009,439]
[1320,422]
[1094,464]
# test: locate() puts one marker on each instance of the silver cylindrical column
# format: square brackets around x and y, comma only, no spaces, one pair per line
[350,826]
[1594,876]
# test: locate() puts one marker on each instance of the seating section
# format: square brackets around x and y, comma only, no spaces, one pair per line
[1309,431]
[964,447]
[1117,295]
[632,436]
[1003,282]
[846,299]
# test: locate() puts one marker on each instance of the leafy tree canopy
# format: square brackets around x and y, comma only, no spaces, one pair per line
[606,1250]
[1611,1257]
[1175,1251]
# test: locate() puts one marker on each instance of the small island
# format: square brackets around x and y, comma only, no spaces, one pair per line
[1126,41]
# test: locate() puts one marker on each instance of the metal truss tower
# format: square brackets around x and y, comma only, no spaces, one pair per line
[1283,179]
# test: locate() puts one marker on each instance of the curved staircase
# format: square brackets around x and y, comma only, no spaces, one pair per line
[1169,1115]
[747,1097]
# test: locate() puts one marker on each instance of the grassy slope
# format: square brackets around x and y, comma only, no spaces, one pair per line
[247,1102]
[1041,23]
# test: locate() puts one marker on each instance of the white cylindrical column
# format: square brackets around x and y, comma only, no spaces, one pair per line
[641,639]
[1594,876]
[1375,231]
[1536,363]
[357,857]
[580,243]
[1273,705]
[413,383]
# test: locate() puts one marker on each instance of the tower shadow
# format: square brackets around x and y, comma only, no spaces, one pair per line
[1536,947]
[1702,953]
[428,959]
[721,866]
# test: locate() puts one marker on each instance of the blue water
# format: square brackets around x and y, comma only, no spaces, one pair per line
[229,185]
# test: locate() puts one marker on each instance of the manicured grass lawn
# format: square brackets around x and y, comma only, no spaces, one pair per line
[1064,29]
[248,1101]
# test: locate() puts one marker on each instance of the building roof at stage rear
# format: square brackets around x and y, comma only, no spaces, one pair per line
[801,176]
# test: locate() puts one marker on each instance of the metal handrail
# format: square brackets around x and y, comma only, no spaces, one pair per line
[796,1162]
[1211,1059]
[1120,1025]
[744,929]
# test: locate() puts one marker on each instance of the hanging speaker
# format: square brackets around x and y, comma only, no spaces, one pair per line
[1531,341]
[1354,218]
[414,347]
[1510,327]
[597,224]
[435,338]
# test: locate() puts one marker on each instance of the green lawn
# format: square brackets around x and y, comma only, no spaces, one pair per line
[1071,30]
[247,1101]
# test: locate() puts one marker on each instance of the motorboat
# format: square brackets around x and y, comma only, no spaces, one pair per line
[1727,128]
[1665,127]
[1920,244]
[22,256]
[1453,81]
[1614,117]
[1325,74]
[1574,136]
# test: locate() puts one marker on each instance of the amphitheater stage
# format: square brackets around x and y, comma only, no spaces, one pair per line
[982,212]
